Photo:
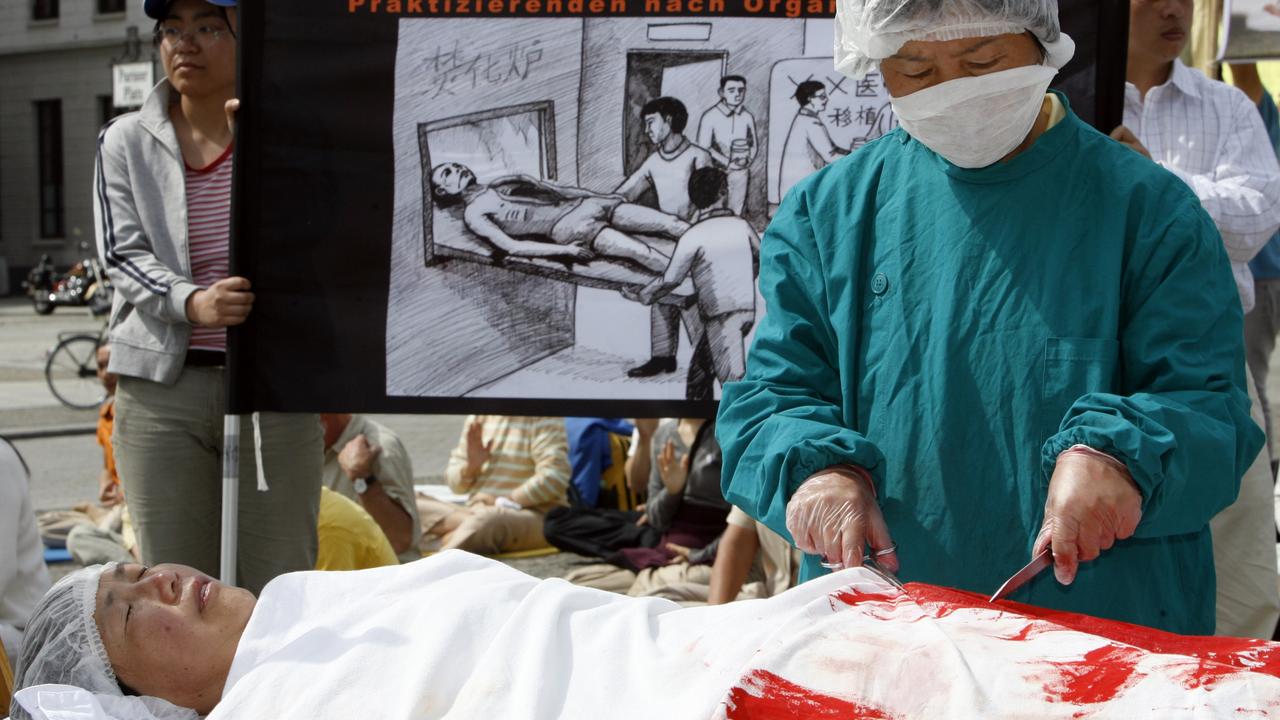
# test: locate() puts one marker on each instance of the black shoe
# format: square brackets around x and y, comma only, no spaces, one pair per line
[655,366]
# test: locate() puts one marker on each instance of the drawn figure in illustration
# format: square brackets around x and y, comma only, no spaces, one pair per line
[809,146]
[527,217]
[722,253]
[728,132]
[666,172]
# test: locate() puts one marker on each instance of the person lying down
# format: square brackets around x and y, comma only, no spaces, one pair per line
[460,636]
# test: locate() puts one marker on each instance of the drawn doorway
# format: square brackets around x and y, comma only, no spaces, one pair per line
[690,76]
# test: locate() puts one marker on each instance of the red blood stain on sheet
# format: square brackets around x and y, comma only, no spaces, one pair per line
[1102,674]
[854,596]
[763,695]
[1097,678]
[1206,673]
[1235,653]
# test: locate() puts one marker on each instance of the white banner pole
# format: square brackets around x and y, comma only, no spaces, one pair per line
[230,495]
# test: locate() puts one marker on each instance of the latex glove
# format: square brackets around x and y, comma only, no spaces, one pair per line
[1092,503]
[834,514]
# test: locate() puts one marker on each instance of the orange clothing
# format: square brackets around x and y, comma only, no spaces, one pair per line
[106,424]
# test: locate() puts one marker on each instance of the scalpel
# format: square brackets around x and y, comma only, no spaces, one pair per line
[1020,578]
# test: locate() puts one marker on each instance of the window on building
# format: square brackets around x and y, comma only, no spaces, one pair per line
[49,147]
[44,9]
[107,109]
[106,7]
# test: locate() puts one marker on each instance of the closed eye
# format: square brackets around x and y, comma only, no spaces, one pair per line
[129,611]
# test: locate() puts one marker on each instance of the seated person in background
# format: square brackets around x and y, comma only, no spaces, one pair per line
[514,469]
[366,462]
[23,576]
[166,642]
[640,455]
[685,505]
[591,457]
[348,536]
[578,224]
[743,542]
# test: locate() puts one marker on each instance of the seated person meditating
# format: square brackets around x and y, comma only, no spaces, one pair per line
[438,638]
[569,222]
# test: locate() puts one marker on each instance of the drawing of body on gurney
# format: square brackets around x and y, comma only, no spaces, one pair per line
[526,217]
[607,240]
[523,216]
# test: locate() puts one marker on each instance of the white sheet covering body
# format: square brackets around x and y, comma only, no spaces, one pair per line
[459,636]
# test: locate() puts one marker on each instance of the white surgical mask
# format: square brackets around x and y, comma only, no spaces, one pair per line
[973,122]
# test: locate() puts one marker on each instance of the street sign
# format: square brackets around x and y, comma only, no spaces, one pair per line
[130,83]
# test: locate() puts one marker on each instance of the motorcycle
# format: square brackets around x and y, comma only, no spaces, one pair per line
[85,284]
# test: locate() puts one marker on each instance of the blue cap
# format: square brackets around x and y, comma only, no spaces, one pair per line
[155,8]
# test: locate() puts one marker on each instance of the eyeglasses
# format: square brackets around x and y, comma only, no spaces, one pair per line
[203,35]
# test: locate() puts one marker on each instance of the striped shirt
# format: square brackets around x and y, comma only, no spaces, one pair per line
[1210,135]
[208,234]
[529,455]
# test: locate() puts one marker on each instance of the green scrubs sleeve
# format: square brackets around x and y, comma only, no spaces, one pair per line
[784,421]
[1182,426]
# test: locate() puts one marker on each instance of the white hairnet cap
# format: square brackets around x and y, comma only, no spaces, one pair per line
[62,646]
[63,702]
[868,31]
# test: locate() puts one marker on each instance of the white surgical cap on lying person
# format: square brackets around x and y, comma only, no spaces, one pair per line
[62,646]
[868,31]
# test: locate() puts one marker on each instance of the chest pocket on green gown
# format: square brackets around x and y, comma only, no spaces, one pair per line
[1075,366]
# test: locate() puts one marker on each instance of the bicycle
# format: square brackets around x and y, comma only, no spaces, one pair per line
[71,369]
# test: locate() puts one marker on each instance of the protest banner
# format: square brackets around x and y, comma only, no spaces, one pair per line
[464,205]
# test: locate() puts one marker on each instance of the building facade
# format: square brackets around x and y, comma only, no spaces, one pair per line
[56,60]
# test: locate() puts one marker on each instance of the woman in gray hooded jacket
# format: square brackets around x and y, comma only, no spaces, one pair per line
[162,211]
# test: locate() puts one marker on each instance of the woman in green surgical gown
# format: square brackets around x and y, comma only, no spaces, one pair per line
[991,332]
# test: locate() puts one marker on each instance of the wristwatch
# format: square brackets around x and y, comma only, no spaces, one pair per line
[362,484]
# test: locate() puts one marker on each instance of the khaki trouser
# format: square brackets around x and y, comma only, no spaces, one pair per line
[1244,551]
[678,581]
[168,445]
[483,529]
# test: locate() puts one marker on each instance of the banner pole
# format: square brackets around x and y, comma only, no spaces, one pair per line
[230,495]
[230,420]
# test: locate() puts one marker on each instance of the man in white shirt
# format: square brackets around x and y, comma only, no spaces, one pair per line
[728,132]
[23,576]
[1210,135]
